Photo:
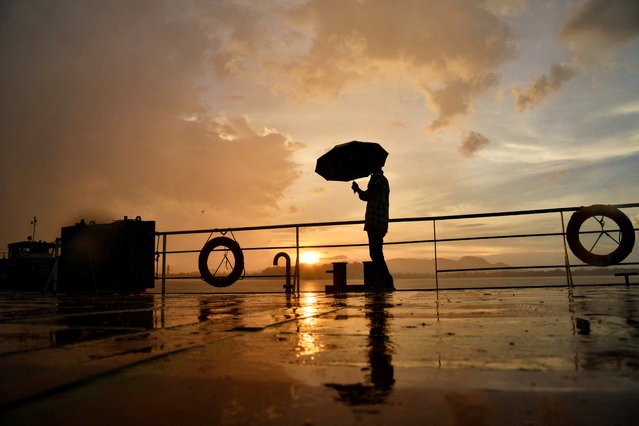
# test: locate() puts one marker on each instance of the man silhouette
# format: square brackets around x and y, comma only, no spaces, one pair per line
[376,225]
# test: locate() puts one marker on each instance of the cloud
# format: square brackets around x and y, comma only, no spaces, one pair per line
[399,124]
[102,115]
[543,86]
[338,257]
[506,7]
[599,28]
[605,22]
[454,99]
[473,142]
[556,176]
[448,50]
[318,190]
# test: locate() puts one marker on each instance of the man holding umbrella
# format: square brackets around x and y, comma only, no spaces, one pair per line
[376,224]
[353,160]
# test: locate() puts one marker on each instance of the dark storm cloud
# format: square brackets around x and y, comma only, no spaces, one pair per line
[611,21]
[101,111]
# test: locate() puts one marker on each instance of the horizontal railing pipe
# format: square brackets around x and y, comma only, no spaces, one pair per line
[395,220]
[297,246]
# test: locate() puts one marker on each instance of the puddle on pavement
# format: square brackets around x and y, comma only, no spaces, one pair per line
[586,328]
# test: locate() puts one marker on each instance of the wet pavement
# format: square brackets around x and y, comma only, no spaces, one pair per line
[507,356]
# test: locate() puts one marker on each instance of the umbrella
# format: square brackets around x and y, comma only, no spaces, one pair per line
[351,160]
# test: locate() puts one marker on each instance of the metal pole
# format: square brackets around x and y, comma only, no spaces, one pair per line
[435,247]
[566,259]
[297,258]
[163,264]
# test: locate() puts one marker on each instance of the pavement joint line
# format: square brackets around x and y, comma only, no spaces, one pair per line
[19,318]
[146,356]
[278,323]
[90,377]
[138,333]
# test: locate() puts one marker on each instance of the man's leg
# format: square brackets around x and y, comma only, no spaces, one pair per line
[375,247]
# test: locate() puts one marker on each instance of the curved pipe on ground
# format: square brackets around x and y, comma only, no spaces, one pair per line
[287,287]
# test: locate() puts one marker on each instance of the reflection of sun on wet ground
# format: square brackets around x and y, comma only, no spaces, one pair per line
[308,305]
[307,344]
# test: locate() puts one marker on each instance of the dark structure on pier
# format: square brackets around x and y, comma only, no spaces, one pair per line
[116,257]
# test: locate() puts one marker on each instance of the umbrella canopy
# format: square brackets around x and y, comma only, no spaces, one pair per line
[351,160]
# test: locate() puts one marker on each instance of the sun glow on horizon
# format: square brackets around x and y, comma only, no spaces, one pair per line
[309,257]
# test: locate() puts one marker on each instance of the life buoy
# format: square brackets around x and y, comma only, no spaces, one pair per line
[626,231]
[224,280]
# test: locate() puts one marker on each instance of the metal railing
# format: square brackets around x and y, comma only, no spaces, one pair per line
[161,254]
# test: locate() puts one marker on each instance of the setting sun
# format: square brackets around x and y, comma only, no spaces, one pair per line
[310,257]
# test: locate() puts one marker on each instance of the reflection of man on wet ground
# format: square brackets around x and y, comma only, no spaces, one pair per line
[376,388]
[376,225]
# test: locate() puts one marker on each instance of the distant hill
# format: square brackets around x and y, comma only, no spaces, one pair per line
[402,267]
[422,268]
[427,266]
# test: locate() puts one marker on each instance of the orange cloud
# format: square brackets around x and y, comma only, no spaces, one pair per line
[398,124]
[473,142]
[542,87]
[455,98]
[450,50]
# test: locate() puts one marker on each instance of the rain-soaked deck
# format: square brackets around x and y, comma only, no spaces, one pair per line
[524,356]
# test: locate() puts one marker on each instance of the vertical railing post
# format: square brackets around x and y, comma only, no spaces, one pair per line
[297,258]
[435,248]
[163,264]
[566,258]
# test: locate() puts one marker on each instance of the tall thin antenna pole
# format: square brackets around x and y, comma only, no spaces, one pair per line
[33,222]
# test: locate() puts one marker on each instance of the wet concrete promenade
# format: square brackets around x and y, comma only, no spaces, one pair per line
[547,356]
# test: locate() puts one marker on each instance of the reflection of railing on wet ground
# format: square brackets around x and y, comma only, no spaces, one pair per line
[436,240]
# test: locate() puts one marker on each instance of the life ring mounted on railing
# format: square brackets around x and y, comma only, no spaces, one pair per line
[617,243]
[237,265]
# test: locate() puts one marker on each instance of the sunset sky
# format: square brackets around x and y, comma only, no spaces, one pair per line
[201,114]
